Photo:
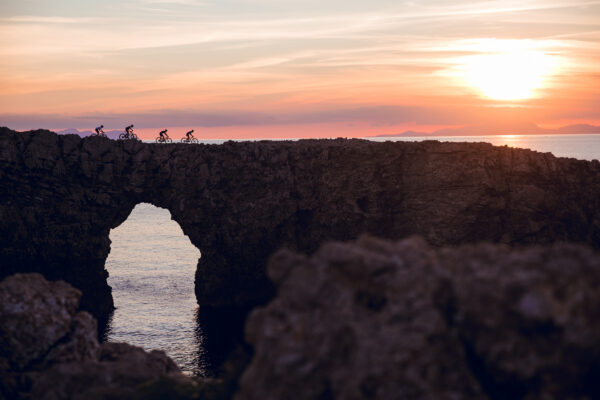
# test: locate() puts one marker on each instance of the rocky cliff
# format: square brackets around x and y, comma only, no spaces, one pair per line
[239,202]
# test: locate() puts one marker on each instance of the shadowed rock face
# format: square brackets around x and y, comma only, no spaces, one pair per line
[48,350]
[239,202]
[370,319]
[375,319]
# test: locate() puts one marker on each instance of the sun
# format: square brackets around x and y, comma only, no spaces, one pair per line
[507,72]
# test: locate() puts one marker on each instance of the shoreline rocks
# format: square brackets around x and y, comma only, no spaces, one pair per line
[369,319]
[375,319]
[49,350]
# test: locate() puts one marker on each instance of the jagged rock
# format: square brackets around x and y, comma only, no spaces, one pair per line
[35,314]
[117,373]
[81,344]
[49,351]
[240,202]
[381,320]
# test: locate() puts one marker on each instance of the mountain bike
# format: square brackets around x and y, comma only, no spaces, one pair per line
[128,136]
[165,139]
[192,139]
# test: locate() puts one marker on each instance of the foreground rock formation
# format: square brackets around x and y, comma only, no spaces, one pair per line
[382,320]
[240,202]
[49,350]
[371,319]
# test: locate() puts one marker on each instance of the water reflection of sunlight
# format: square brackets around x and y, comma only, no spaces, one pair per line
[508,140]
[583,146]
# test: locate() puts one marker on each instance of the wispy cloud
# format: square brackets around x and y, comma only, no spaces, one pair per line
[502,7]
[376,115]
[34,19]
[121,34]
[180,2]
[267,54]
[381,115]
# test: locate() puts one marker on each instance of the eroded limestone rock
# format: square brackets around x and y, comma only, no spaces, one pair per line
[49,350]
[240,202]
[375,319]
[34,315]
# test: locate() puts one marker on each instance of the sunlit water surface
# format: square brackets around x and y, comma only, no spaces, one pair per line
[584,147]
[152,264]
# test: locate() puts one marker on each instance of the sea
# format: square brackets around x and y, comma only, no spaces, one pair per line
[152,264]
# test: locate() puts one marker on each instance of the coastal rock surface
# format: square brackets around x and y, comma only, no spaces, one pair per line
[371,319]
[375,319]
[240,202]
[49,350]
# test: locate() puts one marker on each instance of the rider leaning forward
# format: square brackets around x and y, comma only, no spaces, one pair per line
[129,131]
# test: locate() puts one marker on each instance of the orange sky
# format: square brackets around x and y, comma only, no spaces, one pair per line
[269,68]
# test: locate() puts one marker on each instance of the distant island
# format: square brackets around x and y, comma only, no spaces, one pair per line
[484,130]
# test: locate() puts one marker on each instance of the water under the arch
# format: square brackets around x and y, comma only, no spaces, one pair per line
[151,266]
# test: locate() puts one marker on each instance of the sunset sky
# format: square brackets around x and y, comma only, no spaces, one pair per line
[298,68]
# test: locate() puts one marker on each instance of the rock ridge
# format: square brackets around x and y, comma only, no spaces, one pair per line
[239,202]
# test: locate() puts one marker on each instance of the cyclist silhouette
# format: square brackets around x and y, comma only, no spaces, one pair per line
[189,138]
[99,130]
[128,134]
[163,137]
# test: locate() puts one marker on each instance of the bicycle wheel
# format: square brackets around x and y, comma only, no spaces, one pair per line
[158,140]
[169,140]
[122,136]
[194,140]
[182,140]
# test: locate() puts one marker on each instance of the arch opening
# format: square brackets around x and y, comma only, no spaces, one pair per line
[151,269]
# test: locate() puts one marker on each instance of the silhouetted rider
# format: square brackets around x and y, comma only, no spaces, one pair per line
[99,130]
[189,134]
[129,130]
[162,134]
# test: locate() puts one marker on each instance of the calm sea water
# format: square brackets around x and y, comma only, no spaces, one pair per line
[152,265]
[584,147]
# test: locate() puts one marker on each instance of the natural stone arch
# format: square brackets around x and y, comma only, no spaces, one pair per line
[239,202]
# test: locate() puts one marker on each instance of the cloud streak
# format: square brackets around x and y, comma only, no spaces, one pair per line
[276,60]
[382,115]
[110,34]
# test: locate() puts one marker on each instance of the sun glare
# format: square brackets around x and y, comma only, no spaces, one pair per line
[505,72]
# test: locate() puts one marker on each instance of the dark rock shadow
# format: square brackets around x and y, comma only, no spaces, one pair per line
[104,327]
[222,349]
